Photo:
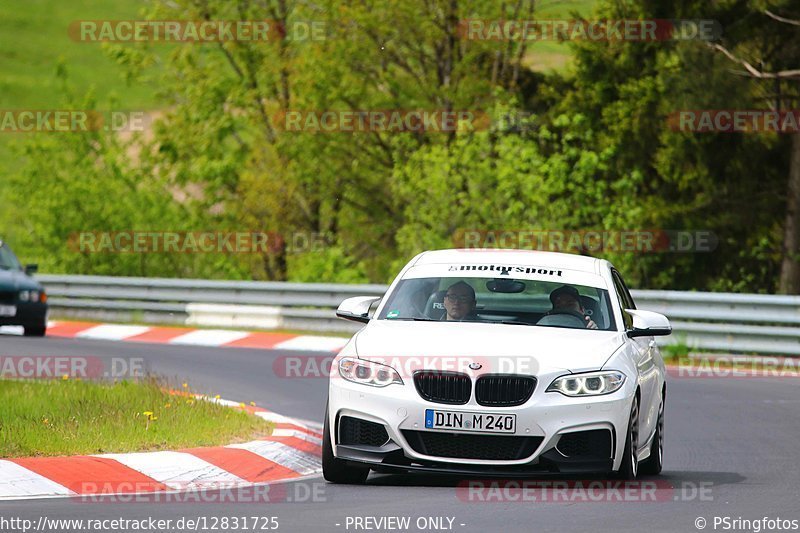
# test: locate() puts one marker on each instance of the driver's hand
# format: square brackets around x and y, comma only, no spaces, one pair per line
[590,323]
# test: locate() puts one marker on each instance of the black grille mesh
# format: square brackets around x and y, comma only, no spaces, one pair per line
[443,387]
[594,443]
[7,297]
[464,446]
[361,432]
[500,390]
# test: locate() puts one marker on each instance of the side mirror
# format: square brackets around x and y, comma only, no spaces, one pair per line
[648,324]
[31,269]
[356,308]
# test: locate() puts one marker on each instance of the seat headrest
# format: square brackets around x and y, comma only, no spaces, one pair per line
[434,308]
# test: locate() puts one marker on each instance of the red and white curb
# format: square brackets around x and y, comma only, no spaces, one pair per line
[189,336]
[292,451]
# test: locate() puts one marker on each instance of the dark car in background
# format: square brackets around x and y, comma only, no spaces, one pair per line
[23,301]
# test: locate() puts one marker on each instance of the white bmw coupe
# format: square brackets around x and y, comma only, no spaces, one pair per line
[500,363]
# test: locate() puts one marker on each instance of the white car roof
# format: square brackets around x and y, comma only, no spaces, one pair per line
[555,260]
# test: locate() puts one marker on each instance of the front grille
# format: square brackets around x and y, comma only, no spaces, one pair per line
[7,297]
[443,387]
[464,446]
[361,432]
[501,390]
[594,443]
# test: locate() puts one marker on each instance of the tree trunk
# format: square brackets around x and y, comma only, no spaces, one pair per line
[790,265]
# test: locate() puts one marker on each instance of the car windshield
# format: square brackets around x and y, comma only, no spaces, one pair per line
[505,301]
[8,261]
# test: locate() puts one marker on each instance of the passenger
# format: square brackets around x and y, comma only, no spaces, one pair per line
[566,300]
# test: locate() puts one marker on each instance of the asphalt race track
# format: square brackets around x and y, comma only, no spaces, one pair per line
[731,451]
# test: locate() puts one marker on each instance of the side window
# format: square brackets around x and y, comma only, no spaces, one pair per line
[622,290]
[625,300]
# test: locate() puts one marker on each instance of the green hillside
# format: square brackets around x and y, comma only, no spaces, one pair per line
[34,40]
[33,44]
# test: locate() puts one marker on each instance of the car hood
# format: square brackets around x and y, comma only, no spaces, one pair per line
[505,348]
[15,280]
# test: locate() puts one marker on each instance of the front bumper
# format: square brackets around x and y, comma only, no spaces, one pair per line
[394,461]
[543,419]
[31,314]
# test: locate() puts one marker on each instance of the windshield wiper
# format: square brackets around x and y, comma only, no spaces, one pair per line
[416,319]
[516,323]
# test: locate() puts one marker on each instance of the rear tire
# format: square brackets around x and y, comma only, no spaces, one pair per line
[629,468]
[335,470]
[652,465]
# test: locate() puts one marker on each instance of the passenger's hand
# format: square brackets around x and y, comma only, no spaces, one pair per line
[590,323]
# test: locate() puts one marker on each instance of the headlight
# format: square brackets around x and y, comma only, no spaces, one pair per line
[368,373]
[29,296]
[591,384]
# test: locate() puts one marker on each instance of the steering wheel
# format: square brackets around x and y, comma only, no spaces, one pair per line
[579,319]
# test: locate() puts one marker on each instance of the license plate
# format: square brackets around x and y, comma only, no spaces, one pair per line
[463,421]
[8,310]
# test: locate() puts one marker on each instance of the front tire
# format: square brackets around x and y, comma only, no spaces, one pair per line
[37,330]
[629,468]
[652,465]
[335,470]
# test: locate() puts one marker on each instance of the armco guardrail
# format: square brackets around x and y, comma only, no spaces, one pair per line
[757,323]
[248,304]
[716,321]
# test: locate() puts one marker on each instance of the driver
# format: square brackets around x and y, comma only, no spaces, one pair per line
[566,299]
[459,302]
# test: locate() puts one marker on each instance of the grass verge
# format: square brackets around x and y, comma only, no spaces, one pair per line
[70,417]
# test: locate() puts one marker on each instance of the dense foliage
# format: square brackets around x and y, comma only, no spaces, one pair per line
[585,148]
